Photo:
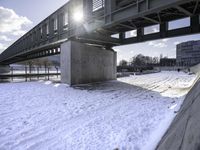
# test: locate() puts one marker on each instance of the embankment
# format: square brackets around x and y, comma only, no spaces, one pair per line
[184,132]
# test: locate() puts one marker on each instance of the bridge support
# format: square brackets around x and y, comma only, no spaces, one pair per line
[82,63]
[4,69]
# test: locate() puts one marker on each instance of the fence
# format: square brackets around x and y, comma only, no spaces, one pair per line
[30,73]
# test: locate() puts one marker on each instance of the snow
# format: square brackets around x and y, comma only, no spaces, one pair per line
[48,82]
[131,113]
[173,106]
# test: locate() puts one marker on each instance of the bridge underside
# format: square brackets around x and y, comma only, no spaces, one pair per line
[124,16]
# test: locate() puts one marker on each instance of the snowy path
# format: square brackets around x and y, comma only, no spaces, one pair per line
[130,114]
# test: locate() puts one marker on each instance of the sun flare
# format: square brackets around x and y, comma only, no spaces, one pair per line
[78,16]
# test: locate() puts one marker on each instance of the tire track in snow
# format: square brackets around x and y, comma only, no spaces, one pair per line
[155,85]
[47,133]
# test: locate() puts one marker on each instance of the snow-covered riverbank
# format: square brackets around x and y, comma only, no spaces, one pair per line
[131,113]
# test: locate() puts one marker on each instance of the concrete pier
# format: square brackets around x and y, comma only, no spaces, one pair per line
[4,69]
[82,63]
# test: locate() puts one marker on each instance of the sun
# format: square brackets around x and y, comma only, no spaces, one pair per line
[78,16]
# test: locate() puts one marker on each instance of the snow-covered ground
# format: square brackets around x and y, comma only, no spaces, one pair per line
[129,114]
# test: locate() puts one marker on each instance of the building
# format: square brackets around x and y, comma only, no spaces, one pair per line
[188,53]
[170,62]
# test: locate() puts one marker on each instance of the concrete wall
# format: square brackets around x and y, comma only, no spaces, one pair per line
[81,63]
[195,69]
[4,69]
[184,132]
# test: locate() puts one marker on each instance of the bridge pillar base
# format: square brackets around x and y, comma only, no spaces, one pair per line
[81,63]
[4,69]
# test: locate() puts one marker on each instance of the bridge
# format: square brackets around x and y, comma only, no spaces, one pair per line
[83,32]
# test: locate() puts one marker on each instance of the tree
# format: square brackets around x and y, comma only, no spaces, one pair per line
[138,60]
[123,63]
[155,60]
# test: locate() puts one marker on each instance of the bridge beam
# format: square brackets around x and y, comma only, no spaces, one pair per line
[164,32]
[82,63]
[195,23]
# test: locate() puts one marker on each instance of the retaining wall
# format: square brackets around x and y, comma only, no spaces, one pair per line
[184,132]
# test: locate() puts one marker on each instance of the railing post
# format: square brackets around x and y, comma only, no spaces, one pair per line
[109,6]
[25,73]
[11,73]
[48,72]
[140,34]
[38,69]
[194,23]
[45,68]
[29,71]
[163,29]
[122,36]
[88,7]
[57,71]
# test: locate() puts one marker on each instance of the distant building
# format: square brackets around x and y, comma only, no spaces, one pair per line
[188,53]
[170,62]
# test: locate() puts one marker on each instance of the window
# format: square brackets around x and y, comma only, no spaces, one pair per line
[55,24]
[132,33]
[115,36]
[180,23]
[65,19]
[47,29]
[41,31]
[31,37]
[151,29]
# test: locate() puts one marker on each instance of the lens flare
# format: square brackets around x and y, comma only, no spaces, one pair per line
[78,16]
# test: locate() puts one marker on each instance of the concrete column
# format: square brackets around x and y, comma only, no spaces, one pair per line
[4,69]
[81,63]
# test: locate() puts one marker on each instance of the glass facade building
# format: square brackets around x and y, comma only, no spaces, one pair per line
[188,53]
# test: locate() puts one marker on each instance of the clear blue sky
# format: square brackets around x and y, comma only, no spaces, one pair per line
[28,13]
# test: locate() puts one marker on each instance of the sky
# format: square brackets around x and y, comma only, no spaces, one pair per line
[19,16]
